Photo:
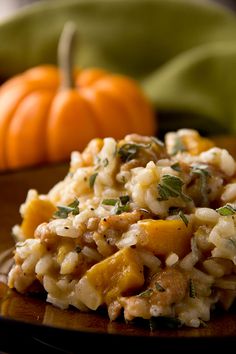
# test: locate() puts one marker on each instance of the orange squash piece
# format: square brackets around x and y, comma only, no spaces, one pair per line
[163,237]
[37,211]
[197,144]
[118,274]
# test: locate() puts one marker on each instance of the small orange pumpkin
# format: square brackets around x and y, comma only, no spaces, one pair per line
[47,112]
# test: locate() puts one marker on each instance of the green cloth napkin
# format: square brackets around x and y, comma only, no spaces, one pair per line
[182,52]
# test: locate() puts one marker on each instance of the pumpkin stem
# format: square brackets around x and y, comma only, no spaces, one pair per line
[65,57]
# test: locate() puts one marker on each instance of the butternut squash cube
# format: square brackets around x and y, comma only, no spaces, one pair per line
[163,237]
[195,144]
[117,274]
[36,212]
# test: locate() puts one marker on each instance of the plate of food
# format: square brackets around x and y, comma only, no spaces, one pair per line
[133,242]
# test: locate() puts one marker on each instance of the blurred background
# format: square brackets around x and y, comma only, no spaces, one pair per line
[8,7]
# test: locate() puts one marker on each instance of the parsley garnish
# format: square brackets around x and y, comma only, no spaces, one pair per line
[183,217]
[64,211]
[176,167]
[226,210]
[178,211]
[203,173]
[159,287]
[171,186]
[109,201]
[121,205]
[119,208]
[174,210]
[92,179]
[178,146]
[105,162]
[145,293]
[124,199]
[129,151]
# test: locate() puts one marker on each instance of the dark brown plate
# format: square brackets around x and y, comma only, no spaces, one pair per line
[37,324]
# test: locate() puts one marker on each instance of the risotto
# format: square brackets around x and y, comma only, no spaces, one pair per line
[143,228]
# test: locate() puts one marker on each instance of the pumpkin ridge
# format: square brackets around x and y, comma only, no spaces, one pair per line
[137,100]
[89,77]
[42,73]
[9,106]
[105,105]
[70,125]
[131,110]
[31,113]
[10,99]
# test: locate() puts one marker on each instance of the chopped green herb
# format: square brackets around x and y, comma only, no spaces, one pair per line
[119,208]
[75,206]
[64,211]
[121,205]
[159,287]
[109,201]
[192,292]
[178,211]
[178,146]
[129,151]
[174,211]
[171,186]
[226,210]
[124,199]
[164,322]
[146,293]
[105,162]
[203,173]
[183,217]
[176,167]
[92,179]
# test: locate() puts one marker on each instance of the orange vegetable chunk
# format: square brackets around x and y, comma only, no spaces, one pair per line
[163,237]
[117,274]
[197,144]
[36,212]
